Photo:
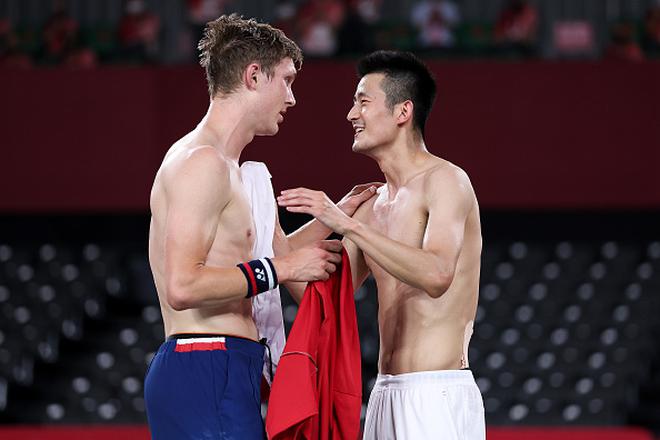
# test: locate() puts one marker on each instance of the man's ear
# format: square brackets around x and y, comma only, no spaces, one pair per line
[251,76]
[405,112]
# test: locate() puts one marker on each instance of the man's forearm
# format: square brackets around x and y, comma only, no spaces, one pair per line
[296,290]
[308,234]
[416,267]
[209,286]
[206,286]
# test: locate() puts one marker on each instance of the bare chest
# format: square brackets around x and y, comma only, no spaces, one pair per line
[402,218]
[235,234]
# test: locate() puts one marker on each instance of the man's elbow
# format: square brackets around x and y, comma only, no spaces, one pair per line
[179,295]
[439,283]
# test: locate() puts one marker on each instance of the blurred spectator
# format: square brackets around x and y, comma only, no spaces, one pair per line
[10,54]
[651,39]
[321,27]
[15,60]
[517,27]
[318,22]
[623,45]
[355,35]
[574,38]
[201,12]
[8,39]
[81,58]
[435,21]
[285,16]
[369,10]
[138,32]
[60,35]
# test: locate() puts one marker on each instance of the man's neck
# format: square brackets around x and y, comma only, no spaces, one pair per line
[402,160]
[226,126]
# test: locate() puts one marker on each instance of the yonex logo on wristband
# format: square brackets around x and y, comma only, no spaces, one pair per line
[260,275]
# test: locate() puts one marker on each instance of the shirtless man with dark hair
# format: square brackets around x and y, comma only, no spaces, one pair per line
[420,238]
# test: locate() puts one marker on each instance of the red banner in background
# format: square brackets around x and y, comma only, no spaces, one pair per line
[75,433]
[142,433]
[530,135]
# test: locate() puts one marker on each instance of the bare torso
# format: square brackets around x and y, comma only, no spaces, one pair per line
[232,243]
[418,332]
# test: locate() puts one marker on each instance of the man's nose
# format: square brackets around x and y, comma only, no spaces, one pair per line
[291,100]
[351,114]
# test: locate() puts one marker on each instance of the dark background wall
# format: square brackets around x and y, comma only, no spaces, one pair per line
[532,135]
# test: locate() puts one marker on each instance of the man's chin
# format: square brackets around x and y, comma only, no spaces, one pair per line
[358,148]
[271,131]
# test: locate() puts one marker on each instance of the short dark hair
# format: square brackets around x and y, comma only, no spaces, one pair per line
[231,43]
[406,77]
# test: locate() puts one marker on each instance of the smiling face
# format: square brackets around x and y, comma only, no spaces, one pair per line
[374,122]
[275,97]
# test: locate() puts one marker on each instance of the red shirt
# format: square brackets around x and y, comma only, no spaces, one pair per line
[317,391]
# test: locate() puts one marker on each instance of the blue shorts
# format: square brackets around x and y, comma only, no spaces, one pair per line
[205,387]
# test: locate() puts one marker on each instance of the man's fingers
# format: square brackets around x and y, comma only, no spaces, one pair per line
[330,268]
[287,198]
[365,185]
[295,192]
[366,194]
[331,245]
[361,187]
[289,191]
[295,200]
[334,258]
[303,209]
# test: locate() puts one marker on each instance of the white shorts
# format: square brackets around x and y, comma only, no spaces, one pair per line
[438,405]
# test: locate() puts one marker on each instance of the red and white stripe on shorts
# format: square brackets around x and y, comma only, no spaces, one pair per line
[200,344]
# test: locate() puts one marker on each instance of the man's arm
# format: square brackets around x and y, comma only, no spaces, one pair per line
[282,246]
[197,192]
[359,268]
[315,230]
[431,268]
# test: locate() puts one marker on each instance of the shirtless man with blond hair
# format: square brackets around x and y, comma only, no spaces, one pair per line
[204,381]
[420,238]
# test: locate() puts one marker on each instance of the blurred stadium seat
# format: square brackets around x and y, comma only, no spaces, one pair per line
[565,332]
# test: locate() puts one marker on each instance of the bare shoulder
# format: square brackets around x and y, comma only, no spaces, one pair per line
[199,165]
[446,176]
[446,184]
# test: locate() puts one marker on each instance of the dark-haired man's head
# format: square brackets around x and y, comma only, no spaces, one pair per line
[406,87]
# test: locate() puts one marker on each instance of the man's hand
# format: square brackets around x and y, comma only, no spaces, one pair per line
[317,204]
[357,196]
[310,263]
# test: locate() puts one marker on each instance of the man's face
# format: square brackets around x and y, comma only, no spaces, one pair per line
[374,124]
[276,96]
